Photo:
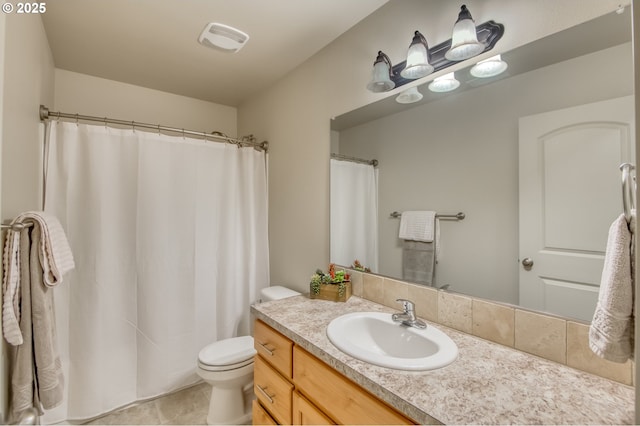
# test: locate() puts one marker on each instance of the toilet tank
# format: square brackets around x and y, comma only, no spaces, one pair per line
[276,292]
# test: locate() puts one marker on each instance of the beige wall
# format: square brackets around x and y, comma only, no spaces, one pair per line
[28,83]
[294,114]
[27,74]
[472,166]
[87,95]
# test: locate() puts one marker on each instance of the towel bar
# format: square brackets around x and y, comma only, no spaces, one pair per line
[458,216]
[17,227]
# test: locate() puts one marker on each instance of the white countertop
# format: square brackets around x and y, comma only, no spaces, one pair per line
[487,384]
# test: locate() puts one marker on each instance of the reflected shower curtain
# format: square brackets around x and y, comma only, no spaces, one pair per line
[170,240]
[354,214]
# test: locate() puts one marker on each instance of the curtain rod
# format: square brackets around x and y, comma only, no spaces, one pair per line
[250,140]
[373,162]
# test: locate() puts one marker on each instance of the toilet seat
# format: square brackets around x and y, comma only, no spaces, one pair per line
[227,354]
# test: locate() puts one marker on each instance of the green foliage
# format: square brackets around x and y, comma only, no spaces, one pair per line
[332,277]
[316,279]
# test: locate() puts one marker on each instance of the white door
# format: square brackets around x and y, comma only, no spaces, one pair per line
[570,193]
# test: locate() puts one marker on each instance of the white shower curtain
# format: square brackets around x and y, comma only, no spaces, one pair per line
[354,214]
[170,240]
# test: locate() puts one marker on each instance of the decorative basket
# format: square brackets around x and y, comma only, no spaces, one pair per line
[334,285]
[335,292]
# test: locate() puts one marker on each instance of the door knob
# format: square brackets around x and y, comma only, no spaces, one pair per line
[527,262]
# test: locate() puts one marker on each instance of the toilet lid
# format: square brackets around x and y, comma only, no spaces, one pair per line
[277,292]
[227,351]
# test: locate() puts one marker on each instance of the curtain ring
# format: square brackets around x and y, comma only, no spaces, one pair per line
[77,119]
[105,123]
[133,126]
[183,134]
[158,130]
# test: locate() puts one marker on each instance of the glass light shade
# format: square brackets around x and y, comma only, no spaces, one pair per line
[444,83]
[409,96]
[489,67]
[464,41]
[381,79]
[417,65]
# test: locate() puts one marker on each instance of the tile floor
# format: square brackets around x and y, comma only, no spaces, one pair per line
[186,407]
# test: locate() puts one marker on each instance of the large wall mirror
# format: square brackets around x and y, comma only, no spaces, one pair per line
[531,157]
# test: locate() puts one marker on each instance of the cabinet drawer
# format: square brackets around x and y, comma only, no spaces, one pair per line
[260,415]
[272,390]
[274,347]
[338,397]
[305,413]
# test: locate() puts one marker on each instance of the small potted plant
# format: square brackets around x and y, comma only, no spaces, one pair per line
[359,266]
[334,285]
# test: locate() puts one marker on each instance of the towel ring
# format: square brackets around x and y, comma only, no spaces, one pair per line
[628,190]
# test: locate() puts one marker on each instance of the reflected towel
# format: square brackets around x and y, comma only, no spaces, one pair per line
[417,226]
[611,331]
[418,261]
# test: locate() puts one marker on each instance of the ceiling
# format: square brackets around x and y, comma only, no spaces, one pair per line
[154,43]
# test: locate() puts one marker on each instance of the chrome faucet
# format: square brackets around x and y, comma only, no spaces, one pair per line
[408,316]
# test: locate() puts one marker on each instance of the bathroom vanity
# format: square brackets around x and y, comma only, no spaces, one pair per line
[301,378]
[287,379]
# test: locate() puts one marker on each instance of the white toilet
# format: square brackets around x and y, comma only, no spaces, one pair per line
[227,365]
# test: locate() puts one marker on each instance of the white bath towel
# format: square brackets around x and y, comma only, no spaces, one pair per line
[611,331]
[55,258]
[55,254]
[11,289]
[417,226]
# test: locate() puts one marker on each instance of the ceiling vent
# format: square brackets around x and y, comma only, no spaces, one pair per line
[224,37]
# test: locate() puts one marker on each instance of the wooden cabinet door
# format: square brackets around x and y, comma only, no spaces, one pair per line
[260,415]
[337,396]
[274,347]
[305,413]
[272,390]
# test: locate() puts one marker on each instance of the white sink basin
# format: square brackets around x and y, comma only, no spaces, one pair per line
[375,338]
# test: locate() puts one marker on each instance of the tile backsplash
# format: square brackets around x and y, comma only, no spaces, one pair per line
[547,336]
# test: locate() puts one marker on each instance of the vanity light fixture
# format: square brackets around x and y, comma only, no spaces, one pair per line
[417,65]
[382,72]
[489,67]
[444,83]
[422,60]
[464,41]
[409,96]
